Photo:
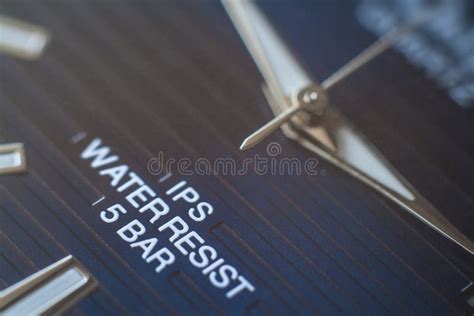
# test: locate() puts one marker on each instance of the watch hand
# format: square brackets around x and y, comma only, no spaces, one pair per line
[375,49]
[257,136]
[281,70]
[306,98]
[289,91]
[363,58]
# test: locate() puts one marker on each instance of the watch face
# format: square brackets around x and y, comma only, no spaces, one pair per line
[236,157]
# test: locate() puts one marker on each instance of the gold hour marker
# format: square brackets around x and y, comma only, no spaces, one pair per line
[21,39]
[12,158]
[48,291]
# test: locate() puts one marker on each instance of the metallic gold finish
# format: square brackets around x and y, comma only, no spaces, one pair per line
[21,39]
[338,142]
[333,137]
[51,290]
[306,99]
[12,158]
[282,72]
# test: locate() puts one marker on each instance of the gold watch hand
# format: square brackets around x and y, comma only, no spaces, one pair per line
[281,70]
[307,98]
[289,90]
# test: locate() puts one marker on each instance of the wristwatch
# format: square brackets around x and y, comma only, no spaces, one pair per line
[269,157]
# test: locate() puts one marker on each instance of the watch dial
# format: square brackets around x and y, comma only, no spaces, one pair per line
[123,189]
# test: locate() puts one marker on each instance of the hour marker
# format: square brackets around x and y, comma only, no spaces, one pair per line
[51,290]
[98,201]
[78,137]
[165,177]
[12,158]
[21,39]
[467,295]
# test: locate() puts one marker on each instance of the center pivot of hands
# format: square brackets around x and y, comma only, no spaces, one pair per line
[312,99]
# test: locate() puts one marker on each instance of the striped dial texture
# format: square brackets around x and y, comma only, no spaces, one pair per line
[147,77]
